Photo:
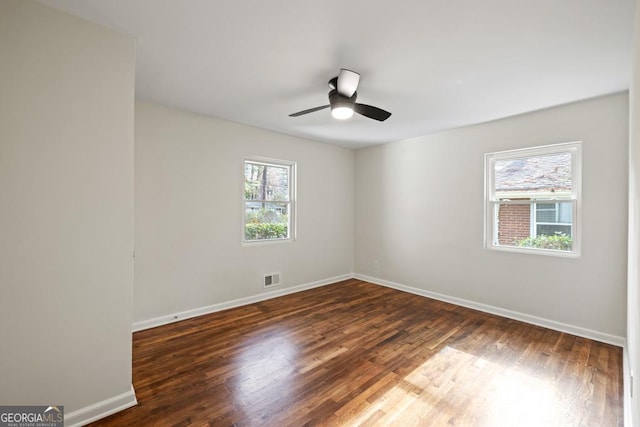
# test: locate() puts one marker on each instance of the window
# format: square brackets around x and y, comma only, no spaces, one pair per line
[268,200]
[533,199]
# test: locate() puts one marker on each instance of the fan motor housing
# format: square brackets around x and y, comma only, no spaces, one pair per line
[336,100]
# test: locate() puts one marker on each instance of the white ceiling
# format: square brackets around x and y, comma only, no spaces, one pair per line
[435,64]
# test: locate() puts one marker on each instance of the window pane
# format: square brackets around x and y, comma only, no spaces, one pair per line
[266,220]
[529,177]
[513,228]
[266,182]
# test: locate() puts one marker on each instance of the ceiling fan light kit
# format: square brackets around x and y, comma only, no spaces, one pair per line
[342,99]
[341,106]
[342,113]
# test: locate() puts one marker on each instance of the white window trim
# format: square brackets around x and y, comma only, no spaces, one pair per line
[490,217]
[293,179]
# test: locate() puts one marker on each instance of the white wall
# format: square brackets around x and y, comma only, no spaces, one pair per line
[66,209]
[633,287]
[419,210]
[189,193]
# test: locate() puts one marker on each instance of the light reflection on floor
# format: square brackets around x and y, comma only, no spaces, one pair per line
[516,398]
[511,397]
[265,369]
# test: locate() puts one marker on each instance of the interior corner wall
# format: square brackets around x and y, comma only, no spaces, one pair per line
[633,285]
[66,209]
[189,213]
[420,210]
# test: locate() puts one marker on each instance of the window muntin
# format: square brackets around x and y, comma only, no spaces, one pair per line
[532,199]
[268,200]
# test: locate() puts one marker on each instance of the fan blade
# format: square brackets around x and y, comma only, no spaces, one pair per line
[310,110]
[372,112]
[348,82]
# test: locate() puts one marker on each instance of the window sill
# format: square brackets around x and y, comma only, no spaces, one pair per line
[544,252]
[266,242]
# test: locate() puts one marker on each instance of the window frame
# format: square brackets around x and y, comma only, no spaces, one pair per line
[291,228]
[490,200]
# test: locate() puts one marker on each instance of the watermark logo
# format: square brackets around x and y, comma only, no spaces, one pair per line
[32,416]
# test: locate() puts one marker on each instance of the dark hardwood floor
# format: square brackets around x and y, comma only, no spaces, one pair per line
[354,353]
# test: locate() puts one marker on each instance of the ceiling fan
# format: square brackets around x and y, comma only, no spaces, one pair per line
[342,99]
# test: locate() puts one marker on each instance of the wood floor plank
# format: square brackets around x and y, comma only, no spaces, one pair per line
[354,353]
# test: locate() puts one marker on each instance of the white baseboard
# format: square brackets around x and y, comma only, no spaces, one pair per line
[102,409]
[539,321]
[170,318]
[534,320]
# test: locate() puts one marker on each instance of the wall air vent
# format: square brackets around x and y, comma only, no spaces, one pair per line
[272,279]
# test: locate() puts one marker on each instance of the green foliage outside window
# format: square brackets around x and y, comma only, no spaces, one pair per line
[262,231]
[266,224]
[558,241]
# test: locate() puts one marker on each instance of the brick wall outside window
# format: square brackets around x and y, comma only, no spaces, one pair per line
[514,223]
